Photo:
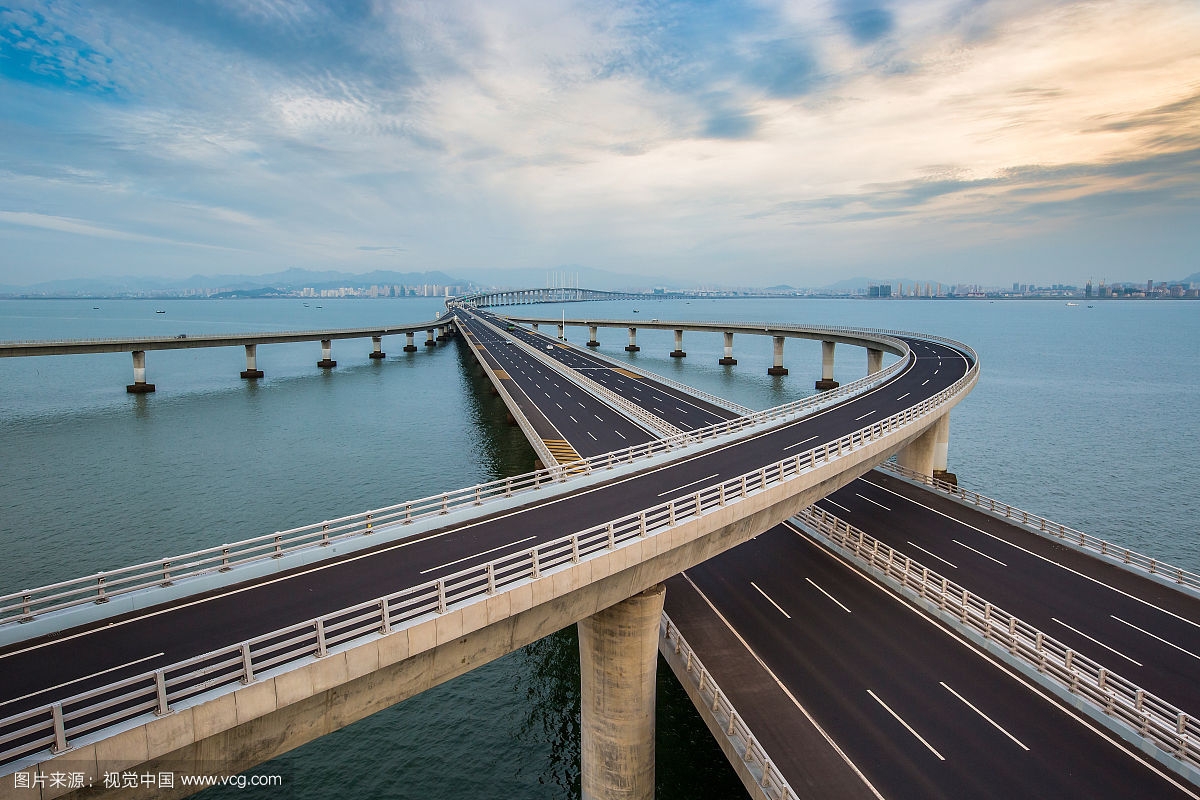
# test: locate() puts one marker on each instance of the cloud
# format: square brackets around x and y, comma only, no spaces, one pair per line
[676,135]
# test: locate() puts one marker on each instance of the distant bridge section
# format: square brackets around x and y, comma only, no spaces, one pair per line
[517,297]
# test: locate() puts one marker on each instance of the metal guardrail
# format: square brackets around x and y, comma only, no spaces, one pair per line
[772,782]
[674,384]
[99,587]
[1158,722]
[57,724]
[639,415]
[1049,528]
[531,436]
[356,333]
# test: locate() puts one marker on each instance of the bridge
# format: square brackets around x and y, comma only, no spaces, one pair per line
[394,600]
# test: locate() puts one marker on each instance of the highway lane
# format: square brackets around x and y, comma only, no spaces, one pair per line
[978,768]
[918,713]
[102,653]
[1140,629]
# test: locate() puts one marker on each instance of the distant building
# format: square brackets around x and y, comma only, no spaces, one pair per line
[880,290]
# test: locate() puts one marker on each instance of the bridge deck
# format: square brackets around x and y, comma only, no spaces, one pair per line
[822,681]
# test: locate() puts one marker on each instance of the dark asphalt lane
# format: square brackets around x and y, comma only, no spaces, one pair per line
[892,689]
[105,652]
[1148,633]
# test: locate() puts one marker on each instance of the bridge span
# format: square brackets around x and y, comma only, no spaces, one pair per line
[1081,684]
[161,663]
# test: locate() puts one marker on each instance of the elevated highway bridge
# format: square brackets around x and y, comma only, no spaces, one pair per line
[162,663]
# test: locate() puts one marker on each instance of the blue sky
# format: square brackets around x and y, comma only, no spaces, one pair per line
[745,143]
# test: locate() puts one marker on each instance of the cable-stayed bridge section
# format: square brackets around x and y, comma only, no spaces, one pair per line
[251,648]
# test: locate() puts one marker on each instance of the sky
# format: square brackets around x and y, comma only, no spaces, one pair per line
[731,143]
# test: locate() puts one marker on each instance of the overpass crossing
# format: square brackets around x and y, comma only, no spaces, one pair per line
[465,592]
[1052,597]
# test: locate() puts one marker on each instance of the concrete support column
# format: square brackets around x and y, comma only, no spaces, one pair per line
[632,347]
[377,349]
[874,361]
[728,359]
[429,340]
[535,325]
[618,654]
[409,339]
[678,351]
[441,333]
[139,385]
[562,331]
[326,361]
[778,368]
[827,382]
[928,454]
[252,372]
[593,339]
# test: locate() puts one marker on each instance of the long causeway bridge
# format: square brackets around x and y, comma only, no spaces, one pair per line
[788,553]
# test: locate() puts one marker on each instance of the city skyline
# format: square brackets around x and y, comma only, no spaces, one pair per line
[740,144]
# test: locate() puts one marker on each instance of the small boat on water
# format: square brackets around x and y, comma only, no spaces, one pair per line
[159,311]
[1072,304]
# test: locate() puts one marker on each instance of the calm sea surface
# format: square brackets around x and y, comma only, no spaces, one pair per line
[1084,415]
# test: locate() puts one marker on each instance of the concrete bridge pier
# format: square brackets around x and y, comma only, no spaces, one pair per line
[139,385]
[618,654]
[326,361]
[252,372]
[430,341]
[632,347]
[929,453]
[728,359]
[874,360]
[562,331]
[827,382]
[593,339]
[534,325]
[778,368]
[409,346]
[678,351]
[377,351]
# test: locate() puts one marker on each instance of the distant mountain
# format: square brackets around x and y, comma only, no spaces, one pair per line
[288,279]
[569,275]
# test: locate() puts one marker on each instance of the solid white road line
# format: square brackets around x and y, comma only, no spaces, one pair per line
[935,555]
[864,416]
[769,600]
[1153,636]
[686,485]
[920,738]
[906,394]
[475,555]
[783,687]
[84,678]
[1095,641]
[827,594]
[985,716]
[797,444]
[973,550]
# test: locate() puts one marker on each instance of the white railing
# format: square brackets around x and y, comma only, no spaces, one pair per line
[1168,728]
[655,424]
[770,780]
[345,333]
[1049,528]
[56,725]
[531,436]
[99,587]
[674,384]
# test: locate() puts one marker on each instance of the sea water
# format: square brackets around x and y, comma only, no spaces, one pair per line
[1082,414]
